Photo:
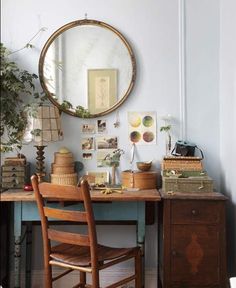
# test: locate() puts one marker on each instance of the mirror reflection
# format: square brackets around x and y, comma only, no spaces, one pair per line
[87,66]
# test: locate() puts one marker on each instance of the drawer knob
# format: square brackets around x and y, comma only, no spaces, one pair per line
[174,253]
[194,212]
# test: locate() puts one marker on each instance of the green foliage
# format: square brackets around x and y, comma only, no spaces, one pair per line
[165,128]
[114,158]
[80,111]
[16,84]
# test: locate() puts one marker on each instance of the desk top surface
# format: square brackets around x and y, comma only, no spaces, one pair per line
[141,195]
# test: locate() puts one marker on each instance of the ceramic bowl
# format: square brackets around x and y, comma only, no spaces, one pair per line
[144,166]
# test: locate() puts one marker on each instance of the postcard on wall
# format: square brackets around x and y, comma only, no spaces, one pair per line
[88,128]
[87,143]
[101,126]
[102,89]
[106,142]
[97,177]
[102,156]
[142,127]
[87,156]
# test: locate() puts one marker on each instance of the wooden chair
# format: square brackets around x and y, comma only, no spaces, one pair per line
[77,251]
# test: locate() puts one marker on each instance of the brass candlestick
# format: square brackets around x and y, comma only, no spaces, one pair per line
[40,168]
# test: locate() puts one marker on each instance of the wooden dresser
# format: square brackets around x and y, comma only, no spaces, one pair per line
[192,250]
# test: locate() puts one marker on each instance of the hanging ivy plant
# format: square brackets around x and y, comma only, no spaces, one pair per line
[16,84]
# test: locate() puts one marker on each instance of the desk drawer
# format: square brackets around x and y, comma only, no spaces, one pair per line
[190,212]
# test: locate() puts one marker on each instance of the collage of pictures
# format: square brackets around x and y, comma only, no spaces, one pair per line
[102,143]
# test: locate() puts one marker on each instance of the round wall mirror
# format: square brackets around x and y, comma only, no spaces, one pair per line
[87,68]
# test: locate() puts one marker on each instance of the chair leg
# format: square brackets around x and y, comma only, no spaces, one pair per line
[95,278]
[83,278]
[138,270]
[48,276]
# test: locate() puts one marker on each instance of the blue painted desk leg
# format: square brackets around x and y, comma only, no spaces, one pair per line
[141,235]
[17,243]
[28,254]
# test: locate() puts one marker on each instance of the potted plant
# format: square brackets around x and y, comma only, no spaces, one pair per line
[16,84]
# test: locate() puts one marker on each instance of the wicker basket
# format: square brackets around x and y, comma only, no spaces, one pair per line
[187,185]
[65,179]
[63,169]
[63,158]
[141,180]
[182,163]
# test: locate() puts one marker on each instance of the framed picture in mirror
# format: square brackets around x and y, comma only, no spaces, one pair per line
[102,89]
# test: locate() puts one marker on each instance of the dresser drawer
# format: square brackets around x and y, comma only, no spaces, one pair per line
[193,212]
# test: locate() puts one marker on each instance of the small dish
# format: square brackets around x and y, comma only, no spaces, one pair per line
[144,166]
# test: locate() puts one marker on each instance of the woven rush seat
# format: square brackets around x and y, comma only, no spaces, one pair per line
[80,256]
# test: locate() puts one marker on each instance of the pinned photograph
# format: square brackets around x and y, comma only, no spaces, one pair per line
[101,126]
[88,143]
[102,157]
[107,142]
[88,128]
[87,156]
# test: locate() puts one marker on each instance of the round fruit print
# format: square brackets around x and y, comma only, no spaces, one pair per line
[148,136]
[134,120]
[135,136]
[148,121]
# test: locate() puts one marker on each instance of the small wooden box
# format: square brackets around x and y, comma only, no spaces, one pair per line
[141,180]
[15,176]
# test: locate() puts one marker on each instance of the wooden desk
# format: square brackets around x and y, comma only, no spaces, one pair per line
[112,207]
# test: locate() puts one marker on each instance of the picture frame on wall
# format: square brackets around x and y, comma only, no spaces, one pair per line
[102,89]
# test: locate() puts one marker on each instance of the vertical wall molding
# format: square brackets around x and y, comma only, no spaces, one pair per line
[182,69]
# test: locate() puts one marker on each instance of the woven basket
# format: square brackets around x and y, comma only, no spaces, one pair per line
[182,163]
[63,158]
[187,185]
[65,179]
[63,169]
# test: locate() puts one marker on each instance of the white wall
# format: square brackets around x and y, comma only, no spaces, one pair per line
[228,120]
[151,27]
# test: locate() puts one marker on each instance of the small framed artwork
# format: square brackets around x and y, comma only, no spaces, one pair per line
[102,89]
[142,127]
[87,156]
[107,142]
[97,177]
[87,143]
[88,128]
[101,126]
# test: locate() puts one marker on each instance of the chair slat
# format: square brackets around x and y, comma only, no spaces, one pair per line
[69,238]
[66,215]
[55,191]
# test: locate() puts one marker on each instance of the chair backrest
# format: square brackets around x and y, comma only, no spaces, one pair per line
[46,194]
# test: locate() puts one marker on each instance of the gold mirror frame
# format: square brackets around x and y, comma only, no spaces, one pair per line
[72,25]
